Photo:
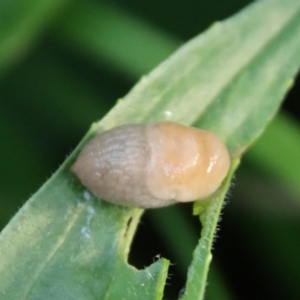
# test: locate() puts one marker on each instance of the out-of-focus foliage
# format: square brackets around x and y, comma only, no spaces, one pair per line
[63,64]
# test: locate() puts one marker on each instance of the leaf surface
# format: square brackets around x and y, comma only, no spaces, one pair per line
[230,80]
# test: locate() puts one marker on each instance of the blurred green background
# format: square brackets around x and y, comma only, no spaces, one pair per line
[64,64]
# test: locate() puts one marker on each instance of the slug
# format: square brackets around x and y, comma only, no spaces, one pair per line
[152,165]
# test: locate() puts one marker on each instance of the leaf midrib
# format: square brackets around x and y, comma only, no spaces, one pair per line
[75,216]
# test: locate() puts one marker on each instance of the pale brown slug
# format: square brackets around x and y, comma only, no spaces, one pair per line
[152,165]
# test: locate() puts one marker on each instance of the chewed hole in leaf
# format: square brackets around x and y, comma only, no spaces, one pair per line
[149,244]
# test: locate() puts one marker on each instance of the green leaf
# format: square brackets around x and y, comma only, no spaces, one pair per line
[73,247]
[230,80]
[197,274]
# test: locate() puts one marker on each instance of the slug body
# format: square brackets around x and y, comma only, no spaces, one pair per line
[152,165]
